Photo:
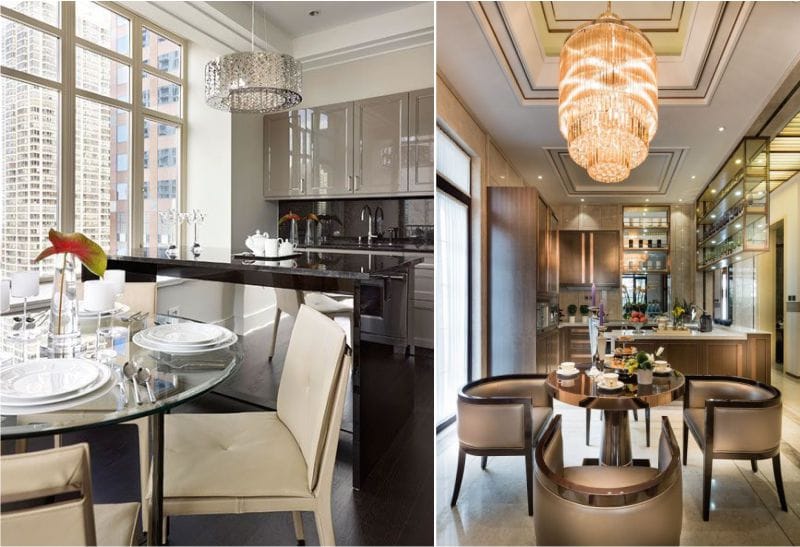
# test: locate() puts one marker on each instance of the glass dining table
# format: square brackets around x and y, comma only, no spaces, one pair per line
[174,379]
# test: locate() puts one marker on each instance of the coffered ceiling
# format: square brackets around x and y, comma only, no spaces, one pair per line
[720,64]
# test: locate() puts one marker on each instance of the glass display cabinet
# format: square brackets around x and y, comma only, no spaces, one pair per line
[645,258]
[733,210]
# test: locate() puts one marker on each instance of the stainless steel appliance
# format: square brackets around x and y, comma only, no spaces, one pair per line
[384,309]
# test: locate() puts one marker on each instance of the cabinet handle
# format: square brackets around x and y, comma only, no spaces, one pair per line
[358,182]
[349,183]
[302,184]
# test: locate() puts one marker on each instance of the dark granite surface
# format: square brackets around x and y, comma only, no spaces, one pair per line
[379,245]
[315,264]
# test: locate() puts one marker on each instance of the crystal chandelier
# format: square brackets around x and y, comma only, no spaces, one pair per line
[258,81]
[608,97]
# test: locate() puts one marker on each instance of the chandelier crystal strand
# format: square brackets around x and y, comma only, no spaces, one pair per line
[608,97]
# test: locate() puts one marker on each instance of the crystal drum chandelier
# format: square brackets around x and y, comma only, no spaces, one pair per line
[608,97]
[258,81]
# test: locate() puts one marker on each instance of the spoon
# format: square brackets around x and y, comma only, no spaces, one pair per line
[143,375]
[130,373]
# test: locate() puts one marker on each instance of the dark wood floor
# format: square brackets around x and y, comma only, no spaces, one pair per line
[395,507]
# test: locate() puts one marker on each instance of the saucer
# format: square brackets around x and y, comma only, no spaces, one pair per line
[666,371]
[565,374]
[616,387]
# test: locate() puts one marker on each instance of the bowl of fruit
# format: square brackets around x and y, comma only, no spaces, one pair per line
[637,319]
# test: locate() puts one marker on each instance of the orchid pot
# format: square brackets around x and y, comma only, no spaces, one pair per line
[644,376]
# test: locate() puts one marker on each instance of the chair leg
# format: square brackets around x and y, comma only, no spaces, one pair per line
[484,459]
[164,530]
[647,424]
[529,479]
[776,468]
[299,533]
[275,322]
[20,446]
[754,465]
[588,424]
[635,415]
[57,441]
[685,442]
[143,431]
[462,457]
[707,467]
[324,519]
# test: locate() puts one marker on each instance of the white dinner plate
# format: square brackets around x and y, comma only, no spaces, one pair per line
[565,374]
[186,334]
[616,387]
[42,378]
[102,378]
[119,308]
[16,410]
[662,371]
[147,343]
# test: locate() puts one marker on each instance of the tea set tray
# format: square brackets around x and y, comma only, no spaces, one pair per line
[250,256]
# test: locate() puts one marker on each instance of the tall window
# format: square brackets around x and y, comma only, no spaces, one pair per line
[451,273]
[88,112]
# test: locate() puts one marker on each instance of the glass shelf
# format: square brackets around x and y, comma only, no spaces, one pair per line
[733,210]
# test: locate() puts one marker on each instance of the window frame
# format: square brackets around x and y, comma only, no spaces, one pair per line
[68,91]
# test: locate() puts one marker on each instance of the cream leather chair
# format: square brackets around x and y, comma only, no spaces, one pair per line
[74,520]
[501,416]
[599,505]
[289,301]
[254,462]
[733,418]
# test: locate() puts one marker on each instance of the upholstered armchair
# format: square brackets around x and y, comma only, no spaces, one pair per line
[601,505]
[733,418]
[501,416]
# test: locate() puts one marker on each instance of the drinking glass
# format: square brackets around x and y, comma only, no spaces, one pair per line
[24,285]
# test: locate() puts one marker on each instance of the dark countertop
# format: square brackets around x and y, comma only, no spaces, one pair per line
[315,264]
[383,246]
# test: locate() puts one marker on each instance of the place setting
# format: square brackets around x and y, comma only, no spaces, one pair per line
[185,338]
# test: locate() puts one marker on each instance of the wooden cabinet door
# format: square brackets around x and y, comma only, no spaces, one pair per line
[284,161]
[604,259]
[542,247]
[420,147]
[683,357]
[571,256]
[381,136]
[541,354]
[330,168]
[725,357]
[552,257]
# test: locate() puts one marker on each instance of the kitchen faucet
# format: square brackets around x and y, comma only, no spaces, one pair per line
[370,234]
[379,221]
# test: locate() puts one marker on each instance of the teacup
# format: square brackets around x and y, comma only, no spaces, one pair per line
[609,379]
[661,365]
[271,246]
[286,248]
[567,366]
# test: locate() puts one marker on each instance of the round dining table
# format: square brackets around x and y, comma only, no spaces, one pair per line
[583,391]
[175,379]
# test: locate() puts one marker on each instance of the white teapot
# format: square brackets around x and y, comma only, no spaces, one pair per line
[256,242]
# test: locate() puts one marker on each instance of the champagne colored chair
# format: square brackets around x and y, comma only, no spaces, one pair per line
[501,416]
[47,500]
[733,418]
[602,505]
[254,462]
[289,301]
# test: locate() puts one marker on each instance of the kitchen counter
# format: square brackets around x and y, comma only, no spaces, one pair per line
[718,333]
[377,247]
[340,265]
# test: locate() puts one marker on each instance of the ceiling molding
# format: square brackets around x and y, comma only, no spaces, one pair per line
[711,35]
[652,178]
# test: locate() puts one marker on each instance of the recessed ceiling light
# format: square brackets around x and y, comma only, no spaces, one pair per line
[720,129]
[738,226]
[680,200]
[714,241]
[582,200]
[539,177]
[738,161]
[694,177]
[713,216]
[738,258]
[313,13]
[712,190]
[738,192]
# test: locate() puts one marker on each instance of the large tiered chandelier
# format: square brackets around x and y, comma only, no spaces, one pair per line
[255,81]
[608,97]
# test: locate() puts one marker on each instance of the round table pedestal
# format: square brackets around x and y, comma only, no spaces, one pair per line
[615,446]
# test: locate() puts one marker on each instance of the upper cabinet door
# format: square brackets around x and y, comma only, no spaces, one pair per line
[283,165]
[330,165]
[542,247]
[605,258]
[381,141]
[553,257]
[572,270]
[420,146]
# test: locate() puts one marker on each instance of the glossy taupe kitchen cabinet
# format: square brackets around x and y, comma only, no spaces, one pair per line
[329,169]
[284,164]
[420,147]
[589,257]
[380,163]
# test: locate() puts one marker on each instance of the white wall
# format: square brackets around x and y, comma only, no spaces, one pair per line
[208,165]
[404,70]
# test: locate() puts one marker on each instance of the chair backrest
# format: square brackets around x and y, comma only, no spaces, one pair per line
[605,500]
[306,395]
[31,486]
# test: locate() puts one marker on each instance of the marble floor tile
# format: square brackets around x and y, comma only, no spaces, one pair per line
[492,505]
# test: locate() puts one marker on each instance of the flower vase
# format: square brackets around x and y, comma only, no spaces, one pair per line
[293,237]
[644,376]
[64,335]
[311,233]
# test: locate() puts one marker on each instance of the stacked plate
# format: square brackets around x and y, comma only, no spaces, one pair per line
[47,385]
[185,338]
[119,308]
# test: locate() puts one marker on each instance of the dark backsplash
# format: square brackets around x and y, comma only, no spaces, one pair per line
[413,217]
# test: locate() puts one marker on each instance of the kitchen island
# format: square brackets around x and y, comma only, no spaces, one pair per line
[383,394]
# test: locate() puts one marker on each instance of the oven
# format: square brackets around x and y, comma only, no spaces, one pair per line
[384,309]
